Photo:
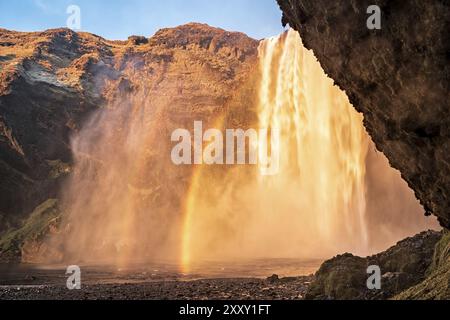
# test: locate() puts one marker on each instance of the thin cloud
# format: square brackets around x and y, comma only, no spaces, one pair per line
[48,8]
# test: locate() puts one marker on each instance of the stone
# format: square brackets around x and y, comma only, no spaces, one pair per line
[402,266]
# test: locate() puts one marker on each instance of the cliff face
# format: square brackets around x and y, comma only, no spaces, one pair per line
[44,92]
[52,81]
[398,77]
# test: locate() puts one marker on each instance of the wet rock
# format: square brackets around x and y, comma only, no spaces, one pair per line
[273,278]
[218,289]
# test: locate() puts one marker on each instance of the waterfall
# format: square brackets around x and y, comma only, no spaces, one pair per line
[324,145]
[126,202]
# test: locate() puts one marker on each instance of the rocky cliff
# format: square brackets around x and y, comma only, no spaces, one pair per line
[51,82]
[398,77]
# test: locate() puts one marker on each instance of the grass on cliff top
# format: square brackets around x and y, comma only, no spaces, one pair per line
[33,228]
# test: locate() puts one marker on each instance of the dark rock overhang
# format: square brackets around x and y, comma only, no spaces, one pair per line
[398,77]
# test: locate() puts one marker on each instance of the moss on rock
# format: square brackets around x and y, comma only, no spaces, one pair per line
[436,285]
[35,228]
[402,266]
[342,277]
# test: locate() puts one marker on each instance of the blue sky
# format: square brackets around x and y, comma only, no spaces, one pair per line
[117,19]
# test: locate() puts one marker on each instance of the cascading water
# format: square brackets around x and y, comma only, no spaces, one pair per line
[116,206]
[317,204]
[323,142]
[126,202]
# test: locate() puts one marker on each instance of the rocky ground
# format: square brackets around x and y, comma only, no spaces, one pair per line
[209,289]
[415,268]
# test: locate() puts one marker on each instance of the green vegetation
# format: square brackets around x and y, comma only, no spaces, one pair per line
[437,284]
[343,278]
[35,227]
[403,266]
[58,168]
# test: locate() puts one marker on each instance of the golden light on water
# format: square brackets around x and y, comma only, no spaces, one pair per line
[128,203]
[324,145]
[318,196]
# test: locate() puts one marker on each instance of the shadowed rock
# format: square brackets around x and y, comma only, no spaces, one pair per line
[398,77]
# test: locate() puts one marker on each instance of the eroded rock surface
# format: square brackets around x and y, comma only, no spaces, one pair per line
[398,77]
